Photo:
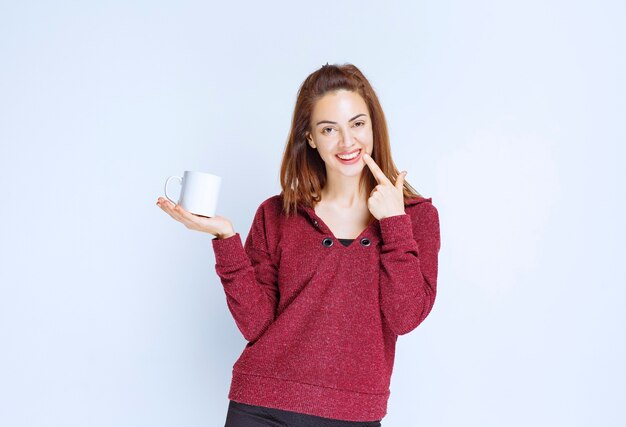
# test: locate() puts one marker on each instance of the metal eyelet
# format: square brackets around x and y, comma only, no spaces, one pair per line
[328,242]
[365,241]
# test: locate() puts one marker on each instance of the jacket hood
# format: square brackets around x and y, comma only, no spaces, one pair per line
[417,200]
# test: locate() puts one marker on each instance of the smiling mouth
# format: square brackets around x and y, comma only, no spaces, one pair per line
[350,156]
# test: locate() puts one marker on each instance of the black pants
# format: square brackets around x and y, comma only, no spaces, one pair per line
[242,415]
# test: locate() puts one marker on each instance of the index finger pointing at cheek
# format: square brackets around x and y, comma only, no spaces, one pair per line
[376,170]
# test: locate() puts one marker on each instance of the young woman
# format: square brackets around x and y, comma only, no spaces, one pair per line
[333,270]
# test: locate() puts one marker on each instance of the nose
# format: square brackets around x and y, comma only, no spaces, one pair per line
[347,139]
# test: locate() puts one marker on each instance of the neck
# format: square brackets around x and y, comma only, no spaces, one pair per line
[344,191]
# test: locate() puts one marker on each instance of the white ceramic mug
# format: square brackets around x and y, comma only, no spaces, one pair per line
[199,192]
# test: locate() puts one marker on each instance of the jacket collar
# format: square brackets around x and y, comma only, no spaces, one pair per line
[310,212]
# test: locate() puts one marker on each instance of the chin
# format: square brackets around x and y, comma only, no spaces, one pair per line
[354,172]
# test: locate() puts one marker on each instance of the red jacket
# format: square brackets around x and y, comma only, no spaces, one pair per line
[322,319]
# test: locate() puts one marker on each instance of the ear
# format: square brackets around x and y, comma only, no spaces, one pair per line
[309,138]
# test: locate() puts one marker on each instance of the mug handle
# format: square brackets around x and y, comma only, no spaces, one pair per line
[167,182]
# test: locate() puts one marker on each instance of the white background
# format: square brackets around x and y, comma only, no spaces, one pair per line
[509,114]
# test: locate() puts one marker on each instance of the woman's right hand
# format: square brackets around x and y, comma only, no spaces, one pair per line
[218,226]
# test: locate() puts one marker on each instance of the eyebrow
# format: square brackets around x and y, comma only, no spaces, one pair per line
[334,123]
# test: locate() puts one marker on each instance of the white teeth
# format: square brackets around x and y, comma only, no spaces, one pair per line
[349,157]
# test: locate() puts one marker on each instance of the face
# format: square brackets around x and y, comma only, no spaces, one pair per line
[341,126]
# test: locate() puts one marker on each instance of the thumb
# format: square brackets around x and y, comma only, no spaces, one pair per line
[400,180]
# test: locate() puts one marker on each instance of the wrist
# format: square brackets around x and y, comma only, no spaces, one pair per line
[225,235]
[393,214]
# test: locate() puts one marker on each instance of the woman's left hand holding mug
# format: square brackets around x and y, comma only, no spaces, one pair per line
[218,226]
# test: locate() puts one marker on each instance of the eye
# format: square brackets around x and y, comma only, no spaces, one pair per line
[360,123]
[324,130]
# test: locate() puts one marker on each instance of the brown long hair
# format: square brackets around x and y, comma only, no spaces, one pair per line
[302,172]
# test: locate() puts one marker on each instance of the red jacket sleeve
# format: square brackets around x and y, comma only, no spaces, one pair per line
[249,277]
[409,263]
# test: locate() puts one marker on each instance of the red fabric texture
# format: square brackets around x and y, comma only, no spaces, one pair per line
[322,320]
